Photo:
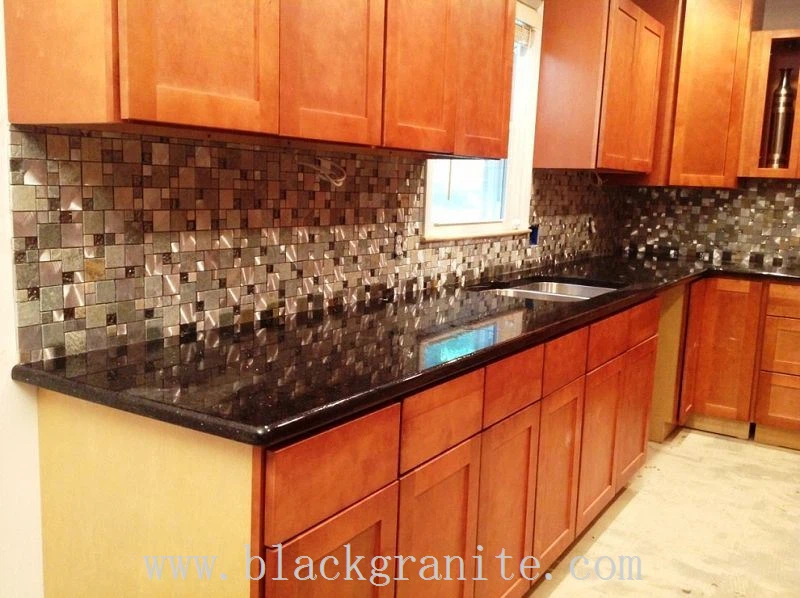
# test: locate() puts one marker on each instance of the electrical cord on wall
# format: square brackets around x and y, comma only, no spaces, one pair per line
[326,169]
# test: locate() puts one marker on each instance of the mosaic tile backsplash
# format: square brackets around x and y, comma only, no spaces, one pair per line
[759,222]
[121,238]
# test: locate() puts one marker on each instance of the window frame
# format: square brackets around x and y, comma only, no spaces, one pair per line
[518,179]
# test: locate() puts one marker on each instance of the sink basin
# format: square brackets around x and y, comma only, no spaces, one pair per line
[554,291]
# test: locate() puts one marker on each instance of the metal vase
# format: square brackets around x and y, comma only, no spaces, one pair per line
[780,122]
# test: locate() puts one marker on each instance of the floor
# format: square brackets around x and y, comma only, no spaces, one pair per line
[708,516]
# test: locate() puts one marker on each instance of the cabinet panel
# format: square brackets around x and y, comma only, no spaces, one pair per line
[722,336]
[486,57]
[331,75]
[646,89]
[783,300]
[368,528]
[440,417]
[644,321]
[711,92]
[781,352]
[565,360]
[512,383]
[557,476]
[778,401]
[597,485]
[438,518]
[299,493]
[181,63]
[422,42]
[607,339]
[633,419]
[509,454]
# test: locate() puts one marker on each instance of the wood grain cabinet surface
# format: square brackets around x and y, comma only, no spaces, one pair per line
[443,60]
[557,477]
[512,384]
[599,86]
[608,338]
[506,506]
[439,518]
[565,360]
[710,101]
[778,401]
[721,347]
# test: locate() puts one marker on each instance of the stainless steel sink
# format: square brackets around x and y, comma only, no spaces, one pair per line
[554,291]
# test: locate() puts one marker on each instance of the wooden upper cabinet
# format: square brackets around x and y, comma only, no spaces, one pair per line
[331,69]
[721,343]
[185,62]
[770,51]
[439,518]
[448,75]
[599,86]
[557,476]
[711,87]
[484,93]
[509,456]
[61,61]
[631,89]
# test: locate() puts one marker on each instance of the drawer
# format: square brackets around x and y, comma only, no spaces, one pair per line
[644,321]
[607,339]
[778,401]
[783,300]
[781,352]
[511,384]
[310,480]
[564,360]
[439,418]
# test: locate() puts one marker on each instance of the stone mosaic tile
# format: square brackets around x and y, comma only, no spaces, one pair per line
[120,238]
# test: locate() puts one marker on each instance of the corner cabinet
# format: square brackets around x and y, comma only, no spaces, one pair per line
[599,86]
[448,76]
[711,86]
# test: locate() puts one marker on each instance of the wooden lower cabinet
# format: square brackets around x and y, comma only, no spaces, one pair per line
[721,347]
[597,481]
[781,352]
[509,455]
[778,401]
[368,529]
[439,518]
[557,476]
[633,416]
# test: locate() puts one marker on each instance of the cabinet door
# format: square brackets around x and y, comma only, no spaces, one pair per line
[331,74]
[708,118]
[691,352]
[509,453]
[439,518]
[184,62]
[781,352]
[778,401]
[422,42]
[633,418]
[631,88]
[604,388]
[557,476]
[367,529]
[723,329]
[486,56]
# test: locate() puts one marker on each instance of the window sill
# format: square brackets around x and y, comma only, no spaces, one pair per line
[514,232]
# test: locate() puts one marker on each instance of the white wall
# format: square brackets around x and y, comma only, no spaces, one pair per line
[20,512]
[782,14]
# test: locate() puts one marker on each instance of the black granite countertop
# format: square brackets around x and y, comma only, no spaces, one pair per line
[279,381]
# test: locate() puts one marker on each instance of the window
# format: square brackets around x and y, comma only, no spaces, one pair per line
[472,198]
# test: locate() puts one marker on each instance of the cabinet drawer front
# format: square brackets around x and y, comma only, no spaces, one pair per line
[781,346]
[607,339]
[315,478]
[439,418]
[784,300]
[644,321]
[778,402]
[564,360]
[512,384]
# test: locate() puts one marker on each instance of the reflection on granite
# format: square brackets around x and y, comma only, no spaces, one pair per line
[274,381]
